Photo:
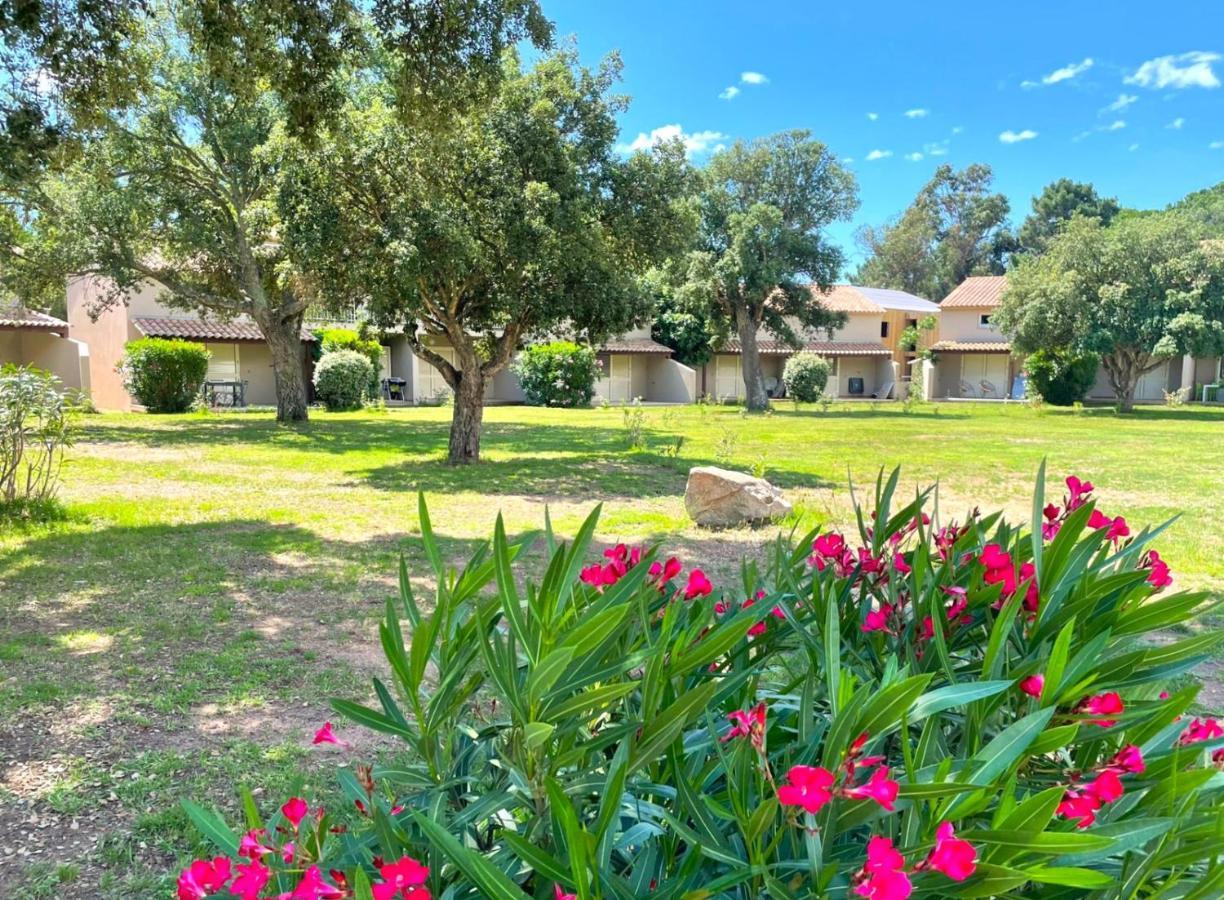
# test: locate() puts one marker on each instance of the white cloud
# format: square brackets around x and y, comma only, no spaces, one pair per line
[729,93]
[1123,101]
[696,143]
[1133,147]
[917,113]
[1079,137]
[1067,72]
[1176,124]
[847,159]
[1216,145]
[753,78]
[1187,70]
[878,154]
[1015,137]
[914,157]
[1115,125]
[958,129]
[937,148]
[873,116]
[1028,85]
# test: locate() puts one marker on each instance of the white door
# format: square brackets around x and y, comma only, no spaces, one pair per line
[433,385]
[1151,384]
[384,364]
[728,379]
[990,368]
[620,377]
[223,364]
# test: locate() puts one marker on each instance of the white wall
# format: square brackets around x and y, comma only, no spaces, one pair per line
[963,325]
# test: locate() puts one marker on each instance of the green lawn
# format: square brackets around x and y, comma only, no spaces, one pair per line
[217,577]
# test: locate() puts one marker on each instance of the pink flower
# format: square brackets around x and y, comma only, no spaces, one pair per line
[325,735]
[698,585]
[661,573]
[1103,705]
[1201,730]
[877,619]
[1118,528]
[954,857]
[1159,577]
[1106,788]
[1078,492]
[1080,807]
[749,723]
[287,851]
[1127,760]
[592,575]
[900,565]
[203,878]
[295,810]
[999,568]
[313,887]
[251,845]
[559,894]
[960,603]
[878,788]
[403,878]
[251,879]
[806,786]
[829,546]
[882,876]
[1033,685]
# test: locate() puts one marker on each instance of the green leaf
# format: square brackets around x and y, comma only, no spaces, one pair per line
[546,673]
[491,881]
[213,827]
[952,695]
[884,710]
[591,700]
[1070,876]
[536,733]
[1041,842]
[1051,690]
[427,538]
[665,727]
[363,715]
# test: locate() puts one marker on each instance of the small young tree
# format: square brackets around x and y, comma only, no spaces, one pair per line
[519,220]
[1137,292]
[763,256]
[1053,208]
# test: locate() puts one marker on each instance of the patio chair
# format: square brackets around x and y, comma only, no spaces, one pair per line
[989,389]
[885,391]
[967,390]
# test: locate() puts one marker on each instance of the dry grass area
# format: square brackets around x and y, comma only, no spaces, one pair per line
[216,578]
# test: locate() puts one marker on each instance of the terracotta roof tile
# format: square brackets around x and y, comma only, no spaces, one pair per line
[976,292]
[824,348]
[636,345]
[20,317]
[203,329]
[973,346]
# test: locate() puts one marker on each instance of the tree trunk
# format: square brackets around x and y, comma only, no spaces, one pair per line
[284,337]
[1124,371]
[750,361]
[467,417]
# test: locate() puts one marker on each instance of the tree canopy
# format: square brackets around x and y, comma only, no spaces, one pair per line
[1054,206]
[517,221]
[956,227]
[762,256]
[1137,292]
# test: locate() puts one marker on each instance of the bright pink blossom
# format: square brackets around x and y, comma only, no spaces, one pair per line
[326,735]
[698,585]
[1118,528]
[203,878]
[749,723]
[251,879]
[807,786]
[1033,685]
[1159,576]
[827,547]
[402,879]
[295,810]
[313,887]
[1201,730]
[1103,705]
[1079,807]
[1127,760]
[877,619]
[559,894]
[1106,788]
[252,847]
[1078,492]
[663,572]
[900,565]
[954,857]
[878,787]
[883,875]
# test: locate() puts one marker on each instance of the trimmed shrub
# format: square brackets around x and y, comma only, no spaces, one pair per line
[557,374]
[331,340]
[1062,378]
[165,376]
[805,376]
[957,708]
[35,428]
[342,378]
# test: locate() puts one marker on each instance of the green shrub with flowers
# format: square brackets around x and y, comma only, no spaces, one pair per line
[922,708]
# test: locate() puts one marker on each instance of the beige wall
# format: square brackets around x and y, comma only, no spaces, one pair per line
[105,338]
[67,359]
[859,327]
[962,325]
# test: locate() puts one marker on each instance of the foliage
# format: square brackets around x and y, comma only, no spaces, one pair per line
[806,375]
[1205,208]
[165,376]
[954,228]
[633,423]
[35,427]
[330,340]
[1061,377]
[967,700]
[911,337]
[516,222]
[1137,292]
[762,254]
[686,330]
[342,379]
[1053,208]
[560,373]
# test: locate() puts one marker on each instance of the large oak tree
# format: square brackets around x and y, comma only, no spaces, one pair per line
[518,220]
[1138,292]
[762,247]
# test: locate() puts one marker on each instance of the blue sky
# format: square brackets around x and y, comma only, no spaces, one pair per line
[1123,94]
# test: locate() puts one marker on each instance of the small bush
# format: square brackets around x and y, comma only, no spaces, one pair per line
[332,340]
[806,376]
[35,428]
[165,376]
[633,424]
[342,378]
[557,374]
[1062,378]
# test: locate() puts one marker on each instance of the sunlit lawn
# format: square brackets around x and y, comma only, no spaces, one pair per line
[218,577]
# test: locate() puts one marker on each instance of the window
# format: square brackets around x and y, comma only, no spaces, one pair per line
[883,329]
[984,320]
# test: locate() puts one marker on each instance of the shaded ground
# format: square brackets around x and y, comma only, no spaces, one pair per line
[218,577]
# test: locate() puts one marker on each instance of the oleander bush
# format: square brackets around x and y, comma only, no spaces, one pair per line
[165,376]
[1062,378]
[342,379]
[35,428]
[805,376]
[921,707]
[557,374]
[333,340]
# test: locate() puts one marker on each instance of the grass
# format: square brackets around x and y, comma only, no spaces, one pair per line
[174,629]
